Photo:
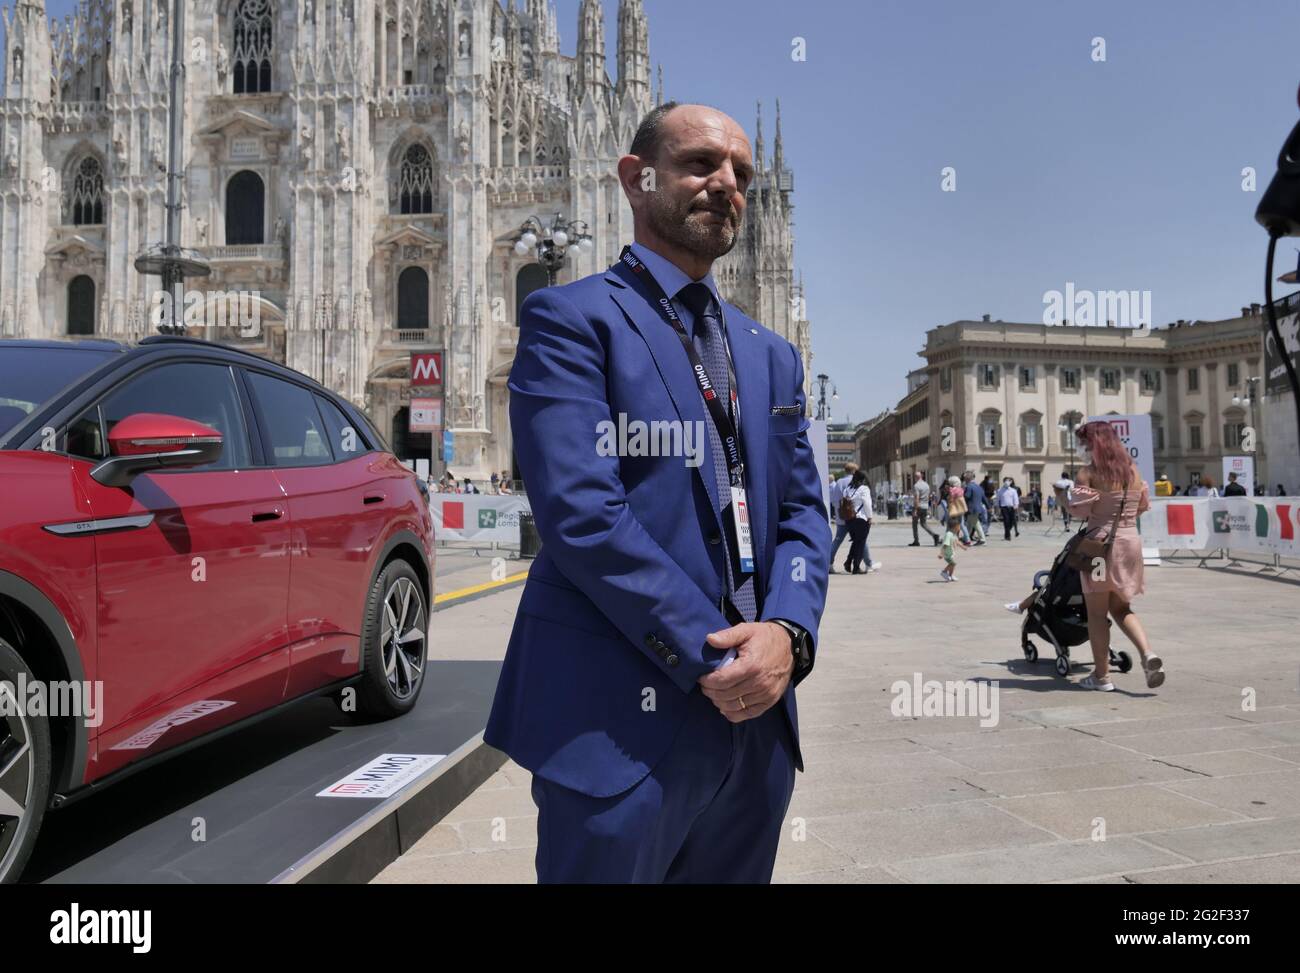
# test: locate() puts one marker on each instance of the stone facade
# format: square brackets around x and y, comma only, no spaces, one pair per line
[355,174]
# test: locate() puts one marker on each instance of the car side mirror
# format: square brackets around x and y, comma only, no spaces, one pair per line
[148,441]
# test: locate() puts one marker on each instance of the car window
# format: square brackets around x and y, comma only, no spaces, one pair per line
[192,390]
[346,439]
[289,416]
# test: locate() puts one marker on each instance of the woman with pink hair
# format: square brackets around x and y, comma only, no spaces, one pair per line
[1110,493]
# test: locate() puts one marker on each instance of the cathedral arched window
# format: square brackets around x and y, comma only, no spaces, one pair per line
[245,209]
[413,299]
[415,181]
[86,201]
[251,40]
[81,305]
[531,277]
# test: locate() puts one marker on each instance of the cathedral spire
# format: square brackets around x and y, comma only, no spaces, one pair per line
[591,73]
[758,139]
[659,96]
[28,61]
[778,151]
[633,51]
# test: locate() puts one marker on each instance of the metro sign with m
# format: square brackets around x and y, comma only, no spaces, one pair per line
[426,368]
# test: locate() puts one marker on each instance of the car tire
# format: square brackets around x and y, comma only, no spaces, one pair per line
[26,764]
[394,643]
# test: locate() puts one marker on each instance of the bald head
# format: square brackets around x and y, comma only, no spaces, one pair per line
[686,179]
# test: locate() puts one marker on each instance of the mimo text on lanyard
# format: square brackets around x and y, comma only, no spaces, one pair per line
[639,277]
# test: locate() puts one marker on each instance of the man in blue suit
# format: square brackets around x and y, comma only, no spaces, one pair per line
[649,680]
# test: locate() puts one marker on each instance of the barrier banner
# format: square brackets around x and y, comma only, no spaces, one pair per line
[477,517]
[1264,524]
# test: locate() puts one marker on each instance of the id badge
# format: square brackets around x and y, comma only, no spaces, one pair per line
[740,521]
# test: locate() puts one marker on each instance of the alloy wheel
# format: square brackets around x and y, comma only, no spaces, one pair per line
[17,776]
[402,638]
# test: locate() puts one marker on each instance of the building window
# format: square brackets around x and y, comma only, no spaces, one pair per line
[1028,378]
[1069,379]
[1036,480]
[945,379]
[990,427]
[245,209]
[81,305]
[1194,435]
[988,375]
[415,182]
[1151,380]
[1193,379]
[86,201]
[1031,431]
[251,40]
[413,299]
[1233,432]
[1110,379]
[531,277]
[1158,436]
[1234,375]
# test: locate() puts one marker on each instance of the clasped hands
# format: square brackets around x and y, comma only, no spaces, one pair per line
[764,663]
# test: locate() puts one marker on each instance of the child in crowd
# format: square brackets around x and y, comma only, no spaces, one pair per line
[947,552]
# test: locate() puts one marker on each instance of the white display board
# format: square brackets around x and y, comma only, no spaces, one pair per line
[477,516]
[1244,467]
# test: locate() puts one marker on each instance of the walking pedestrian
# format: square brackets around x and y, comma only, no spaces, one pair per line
[1111,494]
[948,554]
[921,509]
[976,510]
[838,487]
[1061,488]
[1008,505]
[855,505]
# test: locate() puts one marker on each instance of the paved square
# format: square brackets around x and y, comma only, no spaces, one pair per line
[1181,784]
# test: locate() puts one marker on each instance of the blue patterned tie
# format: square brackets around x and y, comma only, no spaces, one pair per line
[698,299]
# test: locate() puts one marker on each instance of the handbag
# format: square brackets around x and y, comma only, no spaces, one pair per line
[1087,549]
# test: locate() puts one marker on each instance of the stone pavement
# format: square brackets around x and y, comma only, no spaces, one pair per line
[1187,783]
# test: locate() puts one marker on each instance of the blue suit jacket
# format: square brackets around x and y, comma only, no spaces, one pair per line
[609,638]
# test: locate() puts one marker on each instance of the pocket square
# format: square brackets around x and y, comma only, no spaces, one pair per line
[786,410]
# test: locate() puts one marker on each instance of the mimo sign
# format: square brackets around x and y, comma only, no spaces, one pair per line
[239,309]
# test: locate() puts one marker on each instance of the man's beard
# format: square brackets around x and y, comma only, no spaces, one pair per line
[692,228]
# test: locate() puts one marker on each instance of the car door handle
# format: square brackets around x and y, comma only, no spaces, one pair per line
[373,498]
[275,513]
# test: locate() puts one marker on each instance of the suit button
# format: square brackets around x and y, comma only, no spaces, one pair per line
[672,659]
[651,640]
[715,538]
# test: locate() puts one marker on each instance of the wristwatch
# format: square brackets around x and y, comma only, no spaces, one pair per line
[800,645]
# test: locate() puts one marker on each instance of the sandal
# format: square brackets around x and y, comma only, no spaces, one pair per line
[1154,667]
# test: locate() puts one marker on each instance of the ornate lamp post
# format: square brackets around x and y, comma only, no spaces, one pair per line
[551,243]
[1068,427]
[823,411]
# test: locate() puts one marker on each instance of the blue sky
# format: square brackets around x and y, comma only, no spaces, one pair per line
[1122,174]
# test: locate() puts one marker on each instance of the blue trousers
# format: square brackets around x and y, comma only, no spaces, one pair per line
[841,532]
[710,811]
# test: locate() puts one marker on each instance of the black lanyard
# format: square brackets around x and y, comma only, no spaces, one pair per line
[638,277]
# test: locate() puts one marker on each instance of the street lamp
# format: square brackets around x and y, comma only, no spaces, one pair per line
[1249,399]
[1068,427]
[551,243]
[823,409]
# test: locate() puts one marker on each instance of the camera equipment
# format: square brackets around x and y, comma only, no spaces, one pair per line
[1279,213]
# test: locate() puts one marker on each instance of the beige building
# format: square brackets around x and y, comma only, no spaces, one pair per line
[998,392]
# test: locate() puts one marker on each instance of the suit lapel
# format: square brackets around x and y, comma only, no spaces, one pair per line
[674,369]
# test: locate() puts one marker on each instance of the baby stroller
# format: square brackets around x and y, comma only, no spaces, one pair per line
[1059,614]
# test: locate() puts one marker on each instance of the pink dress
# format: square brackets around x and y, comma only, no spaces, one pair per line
[1124,563]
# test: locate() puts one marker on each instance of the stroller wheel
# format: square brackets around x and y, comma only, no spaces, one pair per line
[1123,662]
[1031,651]
[1062,665]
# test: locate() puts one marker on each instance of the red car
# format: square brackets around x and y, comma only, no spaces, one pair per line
[190,538]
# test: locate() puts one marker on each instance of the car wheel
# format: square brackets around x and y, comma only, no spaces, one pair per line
[25,767]
[394,643]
